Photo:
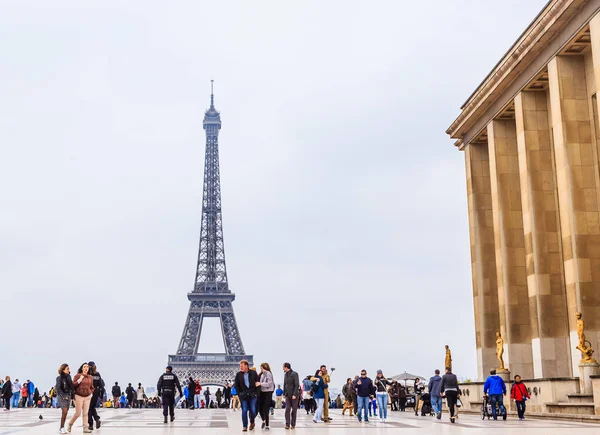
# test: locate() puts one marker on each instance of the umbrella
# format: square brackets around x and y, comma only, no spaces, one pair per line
[406,376]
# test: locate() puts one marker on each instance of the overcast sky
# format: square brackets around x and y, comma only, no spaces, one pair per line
[345,213]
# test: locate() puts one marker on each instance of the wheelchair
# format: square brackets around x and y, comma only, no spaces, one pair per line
[486,409]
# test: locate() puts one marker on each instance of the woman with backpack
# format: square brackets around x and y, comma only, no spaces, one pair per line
[318,389]
[64,393]
[267,386]
[519,394]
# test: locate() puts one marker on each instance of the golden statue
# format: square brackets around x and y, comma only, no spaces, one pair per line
[500,350]
[448,361]
[584,346]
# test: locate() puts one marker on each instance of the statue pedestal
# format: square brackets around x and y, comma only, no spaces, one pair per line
[504,374]
[587,369]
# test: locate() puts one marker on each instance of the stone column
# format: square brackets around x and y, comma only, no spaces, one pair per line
[577,193]
[483,257]
[513,300]
[545,284]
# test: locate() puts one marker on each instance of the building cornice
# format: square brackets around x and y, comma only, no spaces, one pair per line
[540,31]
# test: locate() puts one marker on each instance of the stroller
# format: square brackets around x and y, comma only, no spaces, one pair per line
[426,408]
[486,409]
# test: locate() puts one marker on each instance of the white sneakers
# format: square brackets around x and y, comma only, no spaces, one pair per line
[62,430]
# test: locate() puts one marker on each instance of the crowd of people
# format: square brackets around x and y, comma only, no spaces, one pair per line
[254,393]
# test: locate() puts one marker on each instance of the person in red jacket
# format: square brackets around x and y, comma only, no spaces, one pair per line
[519,394]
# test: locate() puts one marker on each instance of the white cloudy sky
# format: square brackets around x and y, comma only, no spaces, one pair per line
[345,210]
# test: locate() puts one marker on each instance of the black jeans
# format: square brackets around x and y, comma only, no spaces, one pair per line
[92,413]
[520,408]
[168,401]
[264,405]
[451,397]
[191,400]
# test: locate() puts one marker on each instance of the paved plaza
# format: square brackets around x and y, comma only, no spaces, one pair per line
[133,422]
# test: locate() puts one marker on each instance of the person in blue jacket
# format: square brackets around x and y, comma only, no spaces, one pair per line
[31,391]
[495,388]
[318,394]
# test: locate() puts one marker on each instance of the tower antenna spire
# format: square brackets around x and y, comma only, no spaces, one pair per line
[212,95]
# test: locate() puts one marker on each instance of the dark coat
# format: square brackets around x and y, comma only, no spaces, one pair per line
[240,386]
[7,389]
[291,384]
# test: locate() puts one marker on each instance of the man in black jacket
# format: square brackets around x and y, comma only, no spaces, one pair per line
[291,386]
[191,392]
[116,392]
[247,386]
[227,394]
[167,383]
[96,395]
[364,389]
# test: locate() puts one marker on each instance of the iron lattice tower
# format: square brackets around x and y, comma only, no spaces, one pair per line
[211,296]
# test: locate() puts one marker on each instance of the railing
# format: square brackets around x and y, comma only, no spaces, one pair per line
[208,358]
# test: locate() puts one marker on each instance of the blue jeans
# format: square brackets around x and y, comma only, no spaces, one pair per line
[319,411]
[197,401]
[15,399]
[382,402]
[248,405]
[436,403]
[496,398]
[363,404]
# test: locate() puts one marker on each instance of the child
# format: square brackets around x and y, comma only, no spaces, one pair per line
[519,394]
[123,401]
[372,405]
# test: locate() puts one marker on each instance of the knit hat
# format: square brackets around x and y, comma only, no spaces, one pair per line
[379,372]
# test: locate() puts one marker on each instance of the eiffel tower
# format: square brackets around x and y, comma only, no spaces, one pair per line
[211,296]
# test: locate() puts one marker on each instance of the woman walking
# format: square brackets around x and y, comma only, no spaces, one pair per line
[64,393]
[7,393]
[451,391]
[83,386]
[318,389]
[267,386]
[381,394]
[140,396]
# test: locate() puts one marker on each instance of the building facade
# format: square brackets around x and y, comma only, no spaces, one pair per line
[530,134]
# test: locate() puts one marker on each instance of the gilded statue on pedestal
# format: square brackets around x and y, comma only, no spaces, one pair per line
[448,360]
[584,346]
[500,350]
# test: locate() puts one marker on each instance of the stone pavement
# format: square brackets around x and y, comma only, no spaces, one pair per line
[133,422]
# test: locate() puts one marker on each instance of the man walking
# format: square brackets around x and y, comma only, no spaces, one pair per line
[496,388]
[207,397]
[278,397]
[291,386]
[116,392]
[247,386]
[191,392]
[349,396]
[98,384]
[227,395]
[16,395]
[167,383]
[435,391]
[364,388]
